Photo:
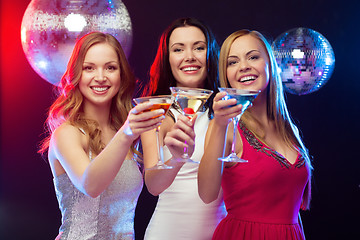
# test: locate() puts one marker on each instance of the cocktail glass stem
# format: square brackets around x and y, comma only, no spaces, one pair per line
[161,162]
[185,154]
[160,102]
[245,98]
[160,152]
[189,100]
[235,122]
[233,156]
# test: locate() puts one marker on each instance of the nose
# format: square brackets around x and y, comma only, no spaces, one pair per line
[100,76]
[189,57]
[244,66]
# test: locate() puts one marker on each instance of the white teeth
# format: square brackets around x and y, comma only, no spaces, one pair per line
[247,78]
[190,69]
[100,89]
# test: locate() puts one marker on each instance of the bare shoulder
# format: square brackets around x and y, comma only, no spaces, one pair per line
[67,135]
[66,131]
[64,140]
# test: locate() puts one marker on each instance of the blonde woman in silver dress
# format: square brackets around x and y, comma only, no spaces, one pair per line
[91,145]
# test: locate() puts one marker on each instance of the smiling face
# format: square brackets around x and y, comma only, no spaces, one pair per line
[248,64]
[187,56]
[100,77]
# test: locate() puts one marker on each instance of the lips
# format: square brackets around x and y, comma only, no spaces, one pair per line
[190,68]
[101,89]
[247,79]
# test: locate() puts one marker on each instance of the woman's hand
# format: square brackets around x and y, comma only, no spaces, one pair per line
[181,135]
[224,110]
[141,119]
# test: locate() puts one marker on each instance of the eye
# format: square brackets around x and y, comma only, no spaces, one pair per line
[112,68]
[177,50]
[231,62]
[87,68]
[254,57]
[200,48]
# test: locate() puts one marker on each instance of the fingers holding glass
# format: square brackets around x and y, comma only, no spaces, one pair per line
[189,101]
[140,120]
[243,98]
[182,135]
[225,109]
[155,107]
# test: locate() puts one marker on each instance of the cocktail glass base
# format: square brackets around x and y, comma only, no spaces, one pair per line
[232,158]
[189,160]
[160,166]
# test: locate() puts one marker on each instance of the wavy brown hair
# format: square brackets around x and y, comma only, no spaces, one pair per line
[276,104]
[68,107]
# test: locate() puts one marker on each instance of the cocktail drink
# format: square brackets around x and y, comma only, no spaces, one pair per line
[190,101]
[245,98]
[159,102]
[157,106]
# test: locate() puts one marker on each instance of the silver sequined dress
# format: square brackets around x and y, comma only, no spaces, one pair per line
[109,216]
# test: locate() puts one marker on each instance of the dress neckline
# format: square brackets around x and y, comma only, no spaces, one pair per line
[258,145]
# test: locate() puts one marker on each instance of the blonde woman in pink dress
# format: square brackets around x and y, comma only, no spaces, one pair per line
[264,195]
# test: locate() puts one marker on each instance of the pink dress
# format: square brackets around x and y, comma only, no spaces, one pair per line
[263,196]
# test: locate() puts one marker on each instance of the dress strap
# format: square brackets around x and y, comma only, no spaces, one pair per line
[83,131]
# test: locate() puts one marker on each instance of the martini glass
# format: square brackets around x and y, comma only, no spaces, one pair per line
[159,102]
[245,98]
[190,101]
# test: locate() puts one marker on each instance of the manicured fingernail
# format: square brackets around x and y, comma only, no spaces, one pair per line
[160,111]
[133,111]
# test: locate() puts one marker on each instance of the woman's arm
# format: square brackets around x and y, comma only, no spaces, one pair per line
[68,146]
[176,134]
[210,169]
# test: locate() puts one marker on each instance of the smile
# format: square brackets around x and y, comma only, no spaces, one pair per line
[247,79]
[100,89]
[189,69]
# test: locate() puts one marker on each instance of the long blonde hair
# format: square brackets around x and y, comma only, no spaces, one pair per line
[68,107]
[276,104]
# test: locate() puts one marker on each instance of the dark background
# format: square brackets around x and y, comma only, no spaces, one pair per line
[328,118]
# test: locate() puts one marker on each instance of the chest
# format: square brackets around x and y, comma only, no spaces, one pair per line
[276,143]
[264,174]
[107,135]
[271,140]
[128,181]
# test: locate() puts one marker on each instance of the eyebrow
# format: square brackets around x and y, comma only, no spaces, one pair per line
[105,63]
[247,54]
[182,44]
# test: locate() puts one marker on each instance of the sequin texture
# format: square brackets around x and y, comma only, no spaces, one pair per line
[109,216]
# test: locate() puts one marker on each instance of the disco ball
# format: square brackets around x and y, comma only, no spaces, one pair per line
[50,29]
[305,58]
